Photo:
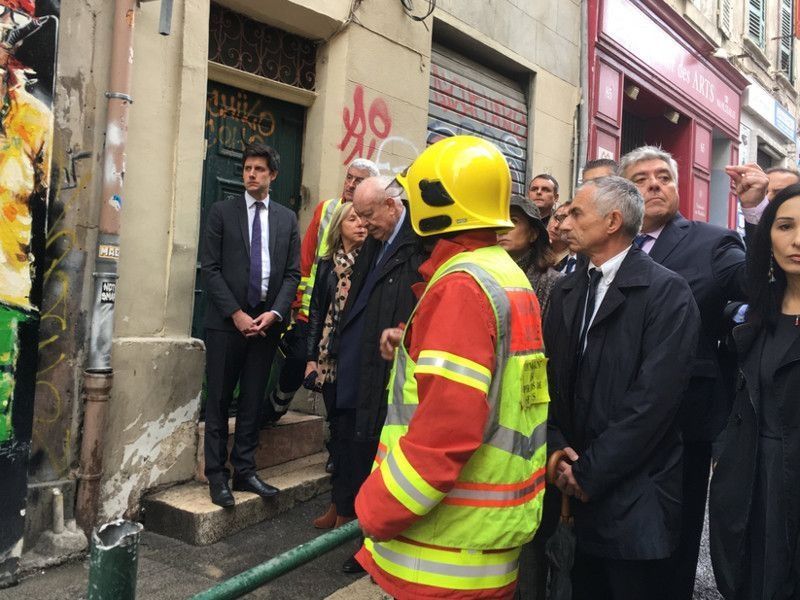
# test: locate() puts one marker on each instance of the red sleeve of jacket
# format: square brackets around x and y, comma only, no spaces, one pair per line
[456,317]
[308,252]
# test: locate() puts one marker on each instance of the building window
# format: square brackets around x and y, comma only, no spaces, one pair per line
[725,15]
[786,45]
[756,19]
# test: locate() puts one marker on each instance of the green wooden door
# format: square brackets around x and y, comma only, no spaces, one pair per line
[234,118]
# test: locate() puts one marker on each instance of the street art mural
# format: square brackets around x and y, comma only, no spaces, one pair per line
[28,38]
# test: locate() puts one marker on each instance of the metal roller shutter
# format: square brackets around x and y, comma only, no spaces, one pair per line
[468,98]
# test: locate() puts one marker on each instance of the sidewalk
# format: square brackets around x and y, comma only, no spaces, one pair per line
[170,570]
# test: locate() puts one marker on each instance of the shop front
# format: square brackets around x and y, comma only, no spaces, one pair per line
[652,81]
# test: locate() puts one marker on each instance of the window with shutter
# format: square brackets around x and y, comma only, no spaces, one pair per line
[725,15]
[785,48]
[756,21]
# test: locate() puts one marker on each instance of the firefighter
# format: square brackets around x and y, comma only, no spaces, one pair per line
[458,480]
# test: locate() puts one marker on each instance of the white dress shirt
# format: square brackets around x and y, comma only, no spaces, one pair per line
[264,215]
[609,269]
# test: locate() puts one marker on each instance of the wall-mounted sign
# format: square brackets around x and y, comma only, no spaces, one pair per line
[631,28]
[762,103]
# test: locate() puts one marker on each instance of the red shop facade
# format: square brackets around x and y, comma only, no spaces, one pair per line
[652,80]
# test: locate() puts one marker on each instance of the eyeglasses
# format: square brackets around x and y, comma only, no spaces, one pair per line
[18,18]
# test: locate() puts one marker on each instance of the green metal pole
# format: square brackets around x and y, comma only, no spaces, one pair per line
[114,560]
[240,584]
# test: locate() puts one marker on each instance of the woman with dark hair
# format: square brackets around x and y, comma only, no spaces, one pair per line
[529,245]
[331,287]
[755,489]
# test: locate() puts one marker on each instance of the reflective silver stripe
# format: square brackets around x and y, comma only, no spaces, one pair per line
[399,374]
[517,443]
[400,414]
[439,568]
[500,495]
[326,220]
[502,306]
[406,485]
[435,361]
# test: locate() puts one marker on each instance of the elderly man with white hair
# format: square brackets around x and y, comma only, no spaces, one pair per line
[380,297]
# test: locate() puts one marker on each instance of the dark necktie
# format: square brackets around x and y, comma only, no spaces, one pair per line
[595,275]
[570,266]
[254,287]
[641,239]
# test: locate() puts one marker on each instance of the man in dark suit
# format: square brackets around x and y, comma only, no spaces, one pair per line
[619,336]
[251,268]
[712,261]
[380,297]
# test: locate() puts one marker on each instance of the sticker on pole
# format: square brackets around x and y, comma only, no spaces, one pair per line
[108,292]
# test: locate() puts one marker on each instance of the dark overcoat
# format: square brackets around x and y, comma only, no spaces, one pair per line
[617,405]
[390,302]
[712,261]
[733,482]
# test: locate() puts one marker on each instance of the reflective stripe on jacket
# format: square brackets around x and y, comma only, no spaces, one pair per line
[469,537]
[306,286]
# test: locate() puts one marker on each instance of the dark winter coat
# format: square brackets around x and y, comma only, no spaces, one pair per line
[321,296]
[712,261]
[390,302]
[617,406]
[733,482]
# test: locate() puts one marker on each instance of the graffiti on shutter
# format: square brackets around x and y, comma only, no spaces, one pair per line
[467,100]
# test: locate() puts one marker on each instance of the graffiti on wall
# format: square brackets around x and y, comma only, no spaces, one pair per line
[27,65]
[236,118]
[60,323]
[364,128]
[368,134]
[459,105]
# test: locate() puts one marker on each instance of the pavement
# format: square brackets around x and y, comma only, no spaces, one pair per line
[170,569]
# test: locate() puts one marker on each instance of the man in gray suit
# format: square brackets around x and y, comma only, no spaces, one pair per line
[251,268]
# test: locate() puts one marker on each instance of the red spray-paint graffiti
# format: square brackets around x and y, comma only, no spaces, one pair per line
[364,130]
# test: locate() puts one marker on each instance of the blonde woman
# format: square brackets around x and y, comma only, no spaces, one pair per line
[331,287]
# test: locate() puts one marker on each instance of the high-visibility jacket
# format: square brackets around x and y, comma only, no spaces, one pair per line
[469,537]
[306,287]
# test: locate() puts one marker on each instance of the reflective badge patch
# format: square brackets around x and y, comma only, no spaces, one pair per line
[534,381]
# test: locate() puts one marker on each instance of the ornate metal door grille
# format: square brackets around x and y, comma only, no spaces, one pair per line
[242,43]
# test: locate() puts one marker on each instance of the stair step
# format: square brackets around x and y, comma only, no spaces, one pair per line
[361,589]
[296,435]
[185,512]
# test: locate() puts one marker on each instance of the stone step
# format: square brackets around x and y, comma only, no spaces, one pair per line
[296,435]
[185,512]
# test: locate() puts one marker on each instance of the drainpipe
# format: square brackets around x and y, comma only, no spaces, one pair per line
[98,375]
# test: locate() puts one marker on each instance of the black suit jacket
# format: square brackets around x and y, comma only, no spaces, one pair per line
[712,261]
[617,406]
[225,261]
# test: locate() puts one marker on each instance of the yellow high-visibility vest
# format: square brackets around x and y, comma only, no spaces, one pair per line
[495,506]
[307,283]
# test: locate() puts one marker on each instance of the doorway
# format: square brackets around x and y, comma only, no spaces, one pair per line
[235,118]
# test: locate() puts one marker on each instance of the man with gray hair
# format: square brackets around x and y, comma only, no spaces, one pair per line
[617,334]
[293,344]
[380,297]
[712,260]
